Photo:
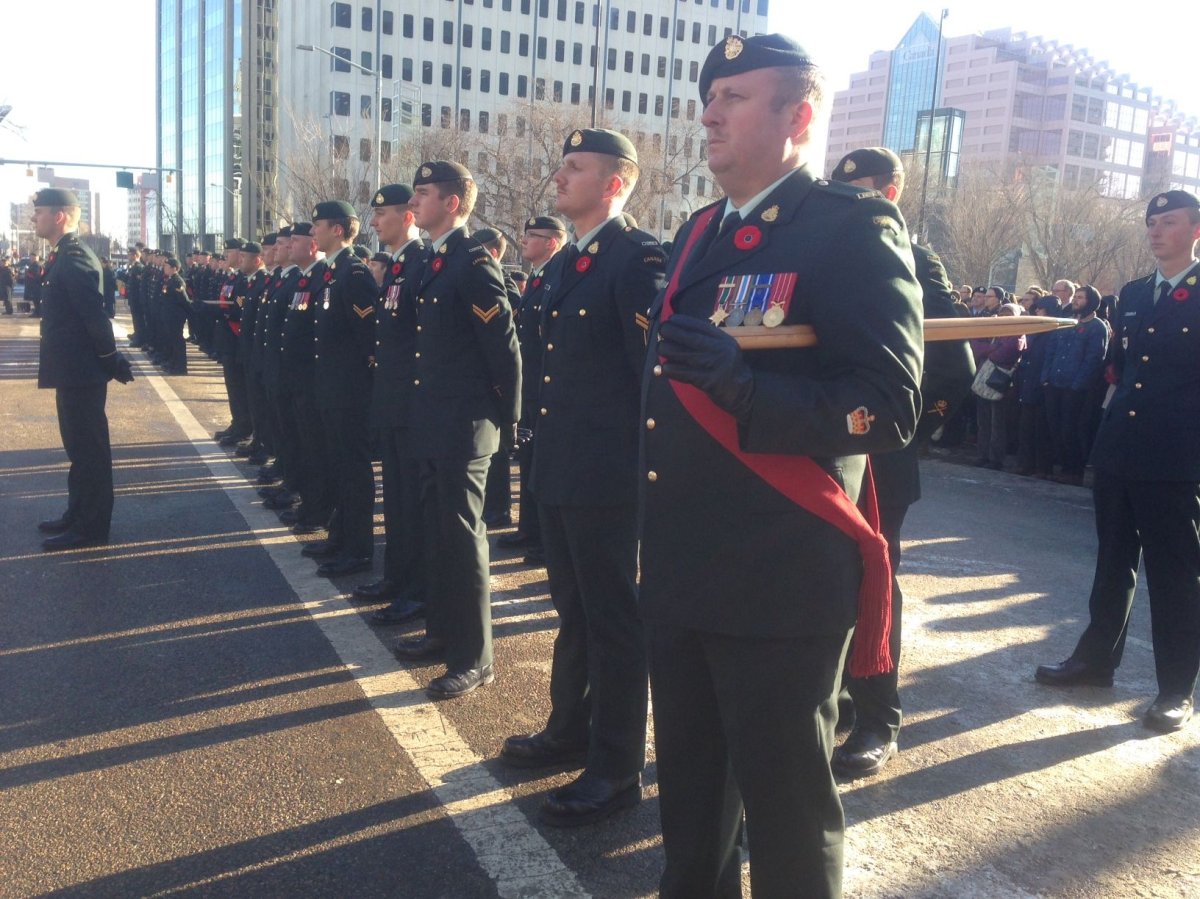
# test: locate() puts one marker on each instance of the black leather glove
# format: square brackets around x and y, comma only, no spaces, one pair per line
[117,367]
[699,353]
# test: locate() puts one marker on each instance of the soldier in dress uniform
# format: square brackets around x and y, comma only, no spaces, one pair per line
[543,237]
[344,342]
[77,357]
[760,537]
[594,323]
[466,394]
[133,291]
[231,298]
[403,580]
[1147,462]
[945,382]
[255,277]
[175,311]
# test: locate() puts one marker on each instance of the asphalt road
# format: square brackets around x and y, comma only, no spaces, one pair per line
[190,711]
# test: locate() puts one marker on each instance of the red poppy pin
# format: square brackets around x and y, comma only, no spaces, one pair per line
[302,283]
[1180,294]
[328,276]
[52,257]
[584,263]
[396,268]
[437,264]
[747,237]
[537,282]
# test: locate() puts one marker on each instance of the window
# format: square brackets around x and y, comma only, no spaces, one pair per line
[448,32]
[694,71]
[557,94]
[485,82]
[677,69]
[539,89]
[612,59]
[679,30]
[577,54]
[406,68]
[365,104]
[523,45]
[447,74]
[614,19]
[560,51]
[340,15]
[385,109]
[385,66]
[385,152]
[664,28]
[712,34]
[503,87]
[541,48]
[643,101]
[658,106]
[339,102]
[484,123]
[522,85]
[427,72]
[628,60]
[505,42]
[485,39]
[464,120]
[610,98]
[674,111]
[561,12]
[575,93]
[695,32]
[648,25]
[366,60]
[468,35]
[626,101]
[465,78]
[631,22]
[389,23]
[520,126]
[502,124]
[364,150]
[662,67]
[426,115]
[579,13]
[447,117]
[341,146]
[691,112]
[427,29]
[368,18]
[336,64]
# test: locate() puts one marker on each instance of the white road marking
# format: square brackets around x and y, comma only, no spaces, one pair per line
[506,846]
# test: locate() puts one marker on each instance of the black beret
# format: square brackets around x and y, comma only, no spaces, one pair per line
[486,235]
[172,261]
[199,251]
[285,231]
[220,257]
[1171,199]
[392,195]
[736,55]
[385,258]
[361,252]
[333,209]
[546,223]
[301,229]
[520,277]
[251,247]
[867,162]
[233,243]
[600,140]
[55,196]
[440,170]
[194,251]
[269,240]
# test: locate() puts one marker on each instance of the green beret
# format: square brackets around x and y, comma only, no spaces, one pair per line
[361,252]
[285,231]
[219,257]
[486,235]
[200,251]
[233,243]
[392,195]
[55,196]
[1171,199]
[382,257]
[252,248]
[867,162]
[545,223]
[333,209]
[440,170]
[301,229]
[269,240]
[172,261]
[736,55]
[600,140]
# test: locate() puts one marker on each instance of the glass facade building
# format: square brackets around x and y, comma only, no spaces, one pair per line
[915,75]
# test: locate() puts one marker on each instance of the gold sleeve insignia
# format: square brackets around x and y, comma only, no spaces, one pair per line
[487,316]
[363,313]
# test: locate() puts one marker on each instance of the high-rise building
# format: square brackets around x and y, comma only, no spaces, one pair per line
[1023,100]
[246,116]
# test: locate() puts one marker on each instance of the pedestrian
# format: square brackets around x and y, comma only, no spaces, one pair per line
[993,386]
[1147,464]
[1035,446]
[110,288]
[77,357]
[7,282]
[756,560]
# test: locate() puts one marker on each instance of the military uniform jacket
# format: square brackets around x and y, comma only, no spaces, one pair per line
[395,339]
[175,300]
[529,339]
[276,305]
[296,342]
[722,551]
[344,333]
[255,287]
[75,330]
[594,331]
[231,297]
[1151,428]
[467,368]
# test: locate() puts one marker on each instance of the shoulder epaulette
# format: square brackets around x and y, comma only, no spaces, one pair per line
[849,191]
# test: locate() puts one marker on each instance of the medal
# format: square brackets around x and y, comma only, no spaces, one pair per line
[774,316]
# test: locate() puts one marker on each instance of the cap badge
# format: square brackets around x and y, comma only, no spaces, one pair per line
[315,213]
[426,171]
[1192,281]
[594,247]
[576,139]
[770,214]
[733,47]
[442,248]
[1161,201]
[849,167]
[379,199]
[531,223]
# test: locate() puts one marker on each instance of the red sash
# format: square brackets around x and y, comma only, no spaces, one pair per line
[809,486]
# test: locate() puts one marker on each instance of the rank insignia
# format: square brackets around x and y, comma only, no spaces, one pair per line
[379,199]
[426,171]
[770,214]
[241,301]
[939,408]
[442,249]
[733,47]
[859,421]
[576,139]
[363,313]
[487,316]
[887,222]
[594,247]
[849,167]
[641,321]
[754,299]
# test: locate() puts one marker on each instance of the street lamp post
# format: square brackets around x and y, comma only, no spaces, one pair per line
[237,205]
[377,114]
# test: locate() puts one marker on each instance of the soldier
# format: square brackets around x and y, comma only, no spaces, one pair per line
[756,558]
[467,381]
[230,300]
[1147,489]
[543,237]
[344,340]
[254,274]
[945,382]
[595,298]
[77,357]
[110,288]
[403,580]
[175,311]
[133,293]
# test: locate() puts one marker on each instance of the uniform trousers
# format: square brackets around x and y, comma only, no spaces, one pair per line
[598,675]
[1160,522]
[84,430]
[1064,411]
[241,424]
[456,558]
[256,394]
[747,723]
[313,462]
[402,559]
[497,493]
[528,522]
[175,350]
[287,436]
[351,480]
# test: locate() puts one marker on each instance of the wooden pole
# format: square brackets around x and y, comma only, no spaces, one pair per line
[760,337]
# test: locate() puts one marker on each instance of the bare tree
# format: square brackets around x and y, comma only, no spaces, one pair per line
[976,224]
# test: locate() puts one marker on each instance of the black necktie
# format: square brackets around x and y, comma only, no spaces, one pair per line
[572,254]
[1163,290]
[730,222]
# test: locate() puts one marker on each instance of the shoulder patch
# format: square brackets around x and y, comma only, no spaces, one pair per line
[482,260]
[849,191]
[640,237]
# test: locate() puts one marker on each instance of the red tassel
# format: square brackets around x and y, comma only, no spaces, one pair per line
[871,653]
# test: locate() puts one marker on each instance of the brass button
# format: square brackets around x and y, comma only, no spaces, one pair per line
[554,314]
[1149,330]
[377,343]
[545,411]
[546,380]
[658,371]
[1145,358]
[583,312]
[418,327]
[1138,385]
[549,347]
[652,476]
[421,300]
[650,424]
[418,355]
[1185,330]
[1132,413]
[417,382]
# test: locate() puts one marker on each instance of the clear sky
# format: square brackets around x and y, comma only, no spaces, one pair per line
[91,98]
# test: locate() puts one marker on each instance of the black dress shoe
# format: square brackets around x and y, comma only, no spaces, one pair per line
[54,526]
[538,751]
[590,798]
[268,491]
[453,684]
[301,528]
[377,590]
[343,565]
[221,434]
[420,648]
[320,549]
[864,753]
[259,458]
[498,520]
[265,479]
[518,540]
[290,515]
[398,612]
[1170,712]
[71,540]
[1072,673]
[231,440]
[244,449]
[536,556]
[280,501]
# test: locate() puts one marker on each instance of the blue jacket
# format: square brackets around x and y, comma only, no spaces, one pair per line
[1075,357]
